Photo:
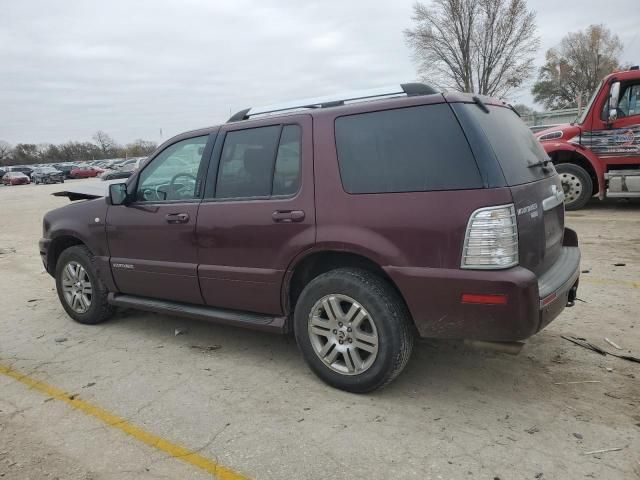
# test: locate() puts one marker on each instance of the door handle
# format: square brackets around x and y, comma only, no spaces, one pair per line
[287,216]
[177,217]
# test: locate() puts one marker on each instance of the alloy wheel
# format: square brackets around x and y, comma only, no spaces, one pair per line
[343,334]
[76,287]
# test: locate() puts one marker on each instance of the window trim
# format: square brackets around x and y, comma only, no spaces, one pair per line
[200,176]
[211,180]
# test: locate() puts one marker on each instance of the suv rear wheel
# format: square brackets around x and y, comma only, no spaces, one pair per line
[577,185]
[353,329]
[82,294]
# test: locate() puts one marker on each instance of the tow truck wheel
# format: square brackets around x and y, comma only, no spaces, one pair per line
[577,185]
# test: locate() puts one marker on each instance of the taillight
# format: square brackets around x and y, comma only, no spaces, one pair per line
[491,239]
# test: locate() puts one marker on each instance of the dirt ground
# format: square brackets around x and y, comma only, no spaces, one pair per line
[253,406]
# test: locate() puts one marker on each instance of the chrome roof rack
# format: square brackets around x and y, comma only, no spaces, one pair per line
[405,89]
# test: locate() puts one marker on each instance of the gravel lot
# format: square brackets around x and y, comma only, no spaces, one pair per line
[253,406]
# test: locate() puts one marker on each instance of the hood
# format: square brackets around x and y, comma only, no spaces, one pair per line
[85,190]
[558,133]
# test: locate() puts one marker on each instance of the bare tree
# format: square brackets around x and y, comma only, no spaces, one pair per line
[480,46]
[5,152]
[140,148]
[573,69]
[104,142]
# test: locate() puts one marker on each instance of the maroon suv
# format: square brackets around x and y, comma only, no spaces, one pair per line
[355,221]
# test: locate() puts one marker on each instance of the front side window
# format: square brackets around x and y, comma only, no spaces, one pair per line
[173,174]
[412,149]
[260,162]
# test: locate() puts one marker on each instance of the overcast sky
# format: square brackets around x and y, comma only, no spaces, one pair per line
[131,68]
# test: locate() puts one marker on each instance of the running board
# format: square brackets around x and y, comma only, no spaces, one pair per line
[251,320]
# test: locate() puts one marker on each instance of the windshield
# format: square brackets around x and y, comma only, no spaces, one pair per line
[583,116]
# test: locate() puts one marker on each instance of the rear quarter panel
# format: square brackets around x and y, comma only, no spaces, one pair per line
[418,229]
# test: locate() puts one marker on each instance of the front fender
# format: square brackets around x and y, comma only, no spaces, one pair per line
[84,221]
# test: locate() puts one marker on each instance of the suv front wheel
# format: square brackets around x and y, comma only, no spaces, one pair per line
[81,293]
[353,329]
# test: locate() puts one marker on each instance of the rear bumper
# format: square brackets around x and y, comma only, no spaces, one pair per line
[434,298]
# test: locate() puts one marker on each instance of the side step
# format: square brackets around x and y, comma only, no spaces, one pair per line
[255,321]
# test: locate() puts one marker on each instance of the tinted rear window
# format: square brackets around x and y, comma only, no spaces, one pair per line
[512,142]
[404,150]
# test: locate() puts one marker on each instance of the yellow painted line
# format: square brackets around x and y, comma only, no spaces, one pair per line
[605,281]
[181,453]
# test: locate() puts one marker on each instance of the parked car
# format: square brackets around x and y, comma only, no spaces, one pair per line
[123,172]
[355,225]
[47,175]
[15,178]
[85,172]
[65,168]
[21,168]
[2,172]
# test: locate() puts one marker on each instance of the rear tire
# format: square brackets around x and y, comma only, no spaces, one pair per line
[80,290]
[577,185]
[353,329]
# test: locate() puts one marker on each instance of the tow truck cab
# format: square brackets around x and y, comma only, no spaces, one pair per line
[599,154]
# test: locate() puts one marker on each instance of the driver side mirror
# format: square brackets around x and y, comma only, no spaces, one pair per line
[118,194]
[614,94]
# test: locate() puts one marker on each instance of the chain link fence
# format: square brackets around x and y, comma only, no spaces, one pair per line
[541,120]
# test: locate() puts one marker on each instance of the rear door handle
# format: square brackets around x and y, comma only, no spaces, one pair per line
[287,216]
[177,217]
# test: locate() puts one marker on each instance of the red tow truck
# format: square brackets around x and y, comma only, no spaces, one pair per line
[599,153]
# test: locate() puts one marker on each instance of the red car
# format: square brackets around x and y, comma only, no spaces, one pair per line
[15,178]
[85,172]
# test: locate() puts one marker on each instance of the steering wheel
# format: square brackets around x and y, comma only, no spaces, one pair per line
[172,183]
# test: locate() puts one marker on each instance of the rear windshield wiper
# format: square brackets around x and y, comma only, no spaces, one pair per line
[541,163]
[512,108]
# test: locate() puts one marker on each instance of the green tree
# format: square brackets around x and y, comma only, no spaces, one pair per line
[573,69]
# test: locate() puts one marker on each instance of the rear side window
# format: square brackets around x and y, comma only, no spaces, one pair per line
[411,149]
[247,163]
[513,143]
[260,162]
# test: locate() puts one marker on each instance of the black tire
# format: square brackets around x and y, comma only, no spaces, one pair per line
[577,185]
[99,309]
[386,310]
